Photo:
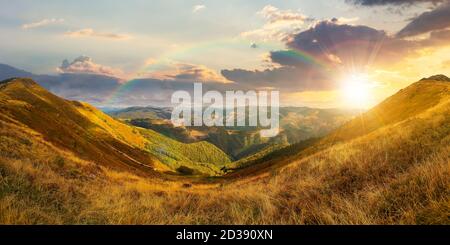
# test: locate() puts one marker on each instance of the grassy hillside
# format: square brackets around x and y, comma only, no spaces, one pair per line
[142,112]
[193,159]
[25,104]
[396,173]
[407,103]
[94,136]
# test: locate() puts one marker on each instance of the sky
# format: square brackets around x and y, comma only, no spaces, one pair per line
[323,53]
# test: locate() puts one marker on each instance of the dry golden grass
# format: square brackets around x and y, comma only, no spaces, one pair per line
[94,136]
[397,174]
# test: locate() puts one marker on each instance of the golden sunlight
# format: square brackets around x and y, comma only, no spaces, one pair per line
[356,91]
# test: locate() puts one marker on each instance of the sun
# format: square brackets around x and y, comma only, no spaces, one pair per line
[356,91]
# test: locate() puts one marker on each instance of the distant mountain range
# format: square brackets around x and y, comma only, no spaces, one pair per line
[296,124]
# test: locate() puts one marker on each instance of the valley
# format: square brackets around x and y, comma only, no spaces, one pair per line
[297,124]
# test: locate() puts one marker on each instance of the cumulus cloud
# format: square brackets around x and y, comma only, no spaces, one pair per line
[436,19]
[190,72]
[185,72]
[274,15]
[279,24]
[89,32]
[198,8]
[42,23]
[85,65]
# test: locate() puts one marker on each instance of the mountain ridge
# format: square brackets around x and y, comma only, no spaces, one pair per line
[88,132]
[28,103]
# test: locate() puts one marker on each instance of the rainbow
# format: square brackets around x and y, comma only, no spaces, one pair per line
[305,57]
[201,49]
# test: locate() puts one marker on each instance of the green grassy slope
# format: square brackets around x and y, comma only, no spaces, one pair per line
[93,135]
[193,158]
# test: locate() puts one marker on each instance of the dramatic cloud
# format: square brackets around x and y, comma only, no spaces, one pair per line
[184,72]
[279,24]
[437,38]
[330,41]
[88,32]
[317,57]
[393,2]
[198,8]
[42,23]
[287,79]
[436,19]
[85,65]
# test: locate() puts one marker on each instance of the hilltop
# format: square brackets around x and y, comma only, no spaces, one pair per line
[65,124]
[92,135]
[440,77]
[389,166]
